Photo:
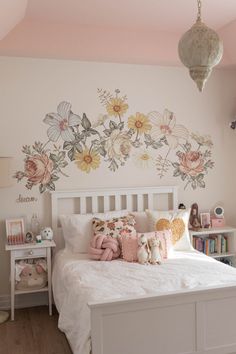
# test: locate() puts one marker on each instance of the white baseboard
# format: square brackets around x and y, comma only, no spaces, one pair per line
[24,300]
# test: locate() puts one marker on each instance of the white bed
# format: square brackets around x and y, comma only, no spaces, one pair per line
[186,305]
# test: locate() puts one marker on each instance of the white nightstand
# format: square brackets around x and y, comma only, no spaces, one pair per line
[29,251]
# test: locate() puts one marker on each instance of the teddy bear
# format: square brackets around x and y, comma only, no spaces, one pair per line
[31,276]
[143,250]
[47,233]
[156,248]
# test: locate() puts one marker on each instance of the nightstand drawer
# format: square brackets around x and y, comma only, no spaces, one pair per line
[30,253]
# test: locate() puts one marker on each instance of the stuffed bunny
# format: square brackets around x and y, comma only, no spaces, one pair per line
[155,246]
[31,276]
[143,250]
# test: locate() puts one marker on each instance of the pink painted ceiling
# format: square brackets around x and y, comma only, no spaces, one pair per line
[129,31]
[11,13]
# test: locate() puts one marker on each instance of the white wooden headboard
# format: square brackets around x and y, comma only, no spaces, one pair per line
[102,200]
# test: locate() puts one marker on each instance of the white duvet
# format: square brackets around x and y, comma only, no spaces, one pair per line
[78,280]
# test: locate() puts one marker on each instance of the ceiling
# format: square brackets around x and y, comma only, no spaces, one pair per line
[129,31]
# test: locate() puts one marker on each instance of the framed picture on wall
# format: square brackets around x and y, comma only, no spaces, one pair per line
[205,219]
[15,231]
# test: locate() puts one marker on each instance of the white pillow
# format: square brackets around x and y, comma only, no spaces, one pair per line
[176,221]
[77,228]
[141,221]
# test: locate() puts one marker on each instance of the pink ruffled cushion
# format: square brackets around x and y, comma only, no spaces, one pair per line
[165,237]
[129,247]
[104,248]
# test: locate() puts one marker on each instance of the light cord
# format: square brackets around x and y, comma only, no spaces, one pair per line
[199,5]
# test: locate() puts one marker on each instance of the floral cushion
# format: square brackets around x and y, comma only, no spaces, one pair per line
[115,226]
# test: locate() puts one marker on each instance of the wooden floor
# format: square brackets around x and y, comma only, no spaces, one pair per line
[33,332]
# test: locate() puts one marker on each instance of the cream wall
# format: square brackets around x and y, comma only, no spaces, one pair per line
[30,88]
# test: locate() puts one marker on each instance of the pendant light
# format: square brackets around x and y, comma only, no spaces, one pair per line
[200,49]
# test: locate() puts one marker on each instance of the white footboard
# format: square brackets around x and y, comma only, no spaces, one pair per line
[201,321]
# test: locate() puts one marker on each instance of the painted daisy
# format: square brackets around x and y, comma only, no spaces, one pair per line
[61,123]
[116,107]
[143,158]
[87,160]
[139,123]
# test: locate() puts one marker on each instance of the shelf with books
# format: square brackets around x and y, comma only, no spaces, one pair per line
[215,242]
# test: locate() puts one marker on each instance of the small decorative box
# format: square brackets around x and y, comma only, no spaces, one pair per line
[217,222]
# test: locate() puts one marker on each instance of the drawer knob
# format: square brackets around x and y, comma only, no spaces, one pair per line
[30,253]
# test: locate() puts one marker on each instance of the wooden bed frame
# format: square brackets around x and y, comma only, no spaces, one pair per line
[200,321]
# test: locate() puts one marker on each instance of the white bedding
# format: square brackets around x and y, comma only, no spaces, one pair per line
[78,280]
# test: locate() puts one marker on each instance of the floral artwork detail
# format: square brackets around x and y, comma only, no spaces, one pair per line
[42,166]
[150,140]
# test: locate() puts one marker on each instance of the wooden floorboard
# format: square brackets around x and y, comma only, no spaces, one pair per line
[33,332]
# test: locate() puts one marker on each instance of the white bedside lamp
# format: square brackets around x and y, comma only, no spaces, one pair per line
[5,181]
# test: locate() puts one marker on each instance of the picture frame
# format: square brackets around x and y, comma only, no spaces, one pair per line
[205,219]
[15,231]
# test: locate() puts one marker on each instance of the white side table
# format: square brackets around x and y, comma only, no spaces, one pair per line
[29,251]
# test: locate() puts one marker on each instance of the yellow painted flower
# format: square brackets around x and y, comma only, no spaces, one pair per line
[140,123]
[116,107]
[87,160]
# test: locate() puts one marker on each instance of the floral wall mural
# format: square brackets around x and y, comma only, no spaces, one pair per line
[150,140]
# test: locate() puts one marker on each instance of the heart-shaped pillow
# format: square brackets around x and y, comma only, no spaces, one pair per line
[176,221]
[176,226]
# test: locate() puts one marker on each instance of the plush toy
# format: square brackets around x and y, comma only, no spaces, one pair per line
[31,276]
[47,233]
[143,250]
[155,246]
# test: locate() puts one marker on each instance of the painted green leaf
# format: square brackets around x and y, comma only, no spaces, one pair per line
[51,186]
[147,137]
[79,147]
[175,164]
[85,122]
[187,146]
[101,150]
[42,188]
[107,132]
[113,166]
[54,157]
[177,173]
[67,145]
[93,131]
[71,154]
[63,164]
[54,178]
[201,183]
[61,155]
[121,125]
[113,125]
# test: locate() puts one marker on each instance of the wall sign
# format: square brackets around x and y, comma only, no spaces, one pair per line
[22,199]
[151,140]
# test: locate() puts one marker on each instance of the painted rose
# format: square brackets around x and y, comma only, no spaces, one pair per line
[38,169]
[191,163]
[118,145]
